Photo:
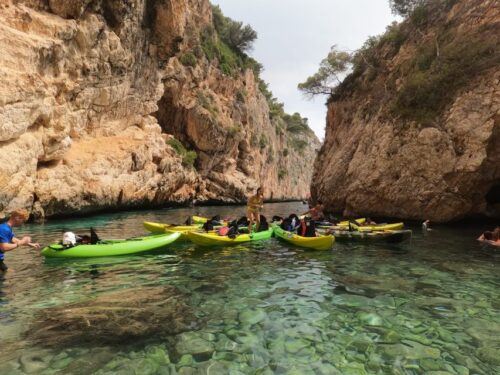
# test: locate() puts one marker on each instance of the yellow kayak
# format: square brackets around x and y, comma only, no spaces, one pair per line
[155,228]
[381,227]
[213,239]
[202,220]
[162,228]
[199,219]
[313,243]
[346,222]
[167,228]
[344,225]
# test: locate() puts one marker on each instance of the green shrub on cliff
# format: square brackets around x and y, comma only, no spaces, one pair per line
[188,59]
[282,174]
[296,123]
[234,130]
[263,142]
[229,41]
[419,87]
[434,76]
[299,145]
[207,101]
[188,157]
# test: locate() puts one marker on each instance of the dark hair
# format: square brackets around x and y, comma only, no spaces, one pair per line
[259,189]
[488,236]
[320,202]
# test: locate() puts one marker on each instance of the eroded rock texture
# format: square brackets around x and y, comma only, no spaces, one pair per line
[377,162]
[82,84]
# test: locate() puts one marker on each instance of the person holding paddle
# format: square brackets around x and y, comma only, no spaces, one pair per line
[254,206]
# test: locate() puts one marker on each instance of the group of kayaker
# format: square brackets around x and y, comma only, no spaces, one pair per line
[304,226]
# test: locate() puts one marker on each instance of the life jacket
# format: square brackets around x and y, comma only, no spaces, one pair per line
[310,229]
[243,221]
[307,229]
[287,225]
[216,220]
[301,229]
[264,225]
[223,231]
[94,238]
[233,232]
[208,226]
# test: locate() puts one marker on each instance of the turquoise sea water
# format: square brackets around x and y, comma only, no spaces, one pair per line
[428,306]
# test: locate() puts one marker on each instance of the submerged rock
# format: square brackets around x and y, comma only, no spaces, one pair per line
[489,355]
[35,361]
[252,316]
[194,344]
[117,317]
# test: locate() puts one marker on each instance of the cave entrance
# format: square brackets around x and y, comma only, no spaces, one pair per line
[493,201]
[493,196]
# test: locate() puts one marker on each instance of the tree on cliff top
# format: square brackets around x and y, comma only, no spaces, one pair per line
[236,35]
[404,8]
[328,76]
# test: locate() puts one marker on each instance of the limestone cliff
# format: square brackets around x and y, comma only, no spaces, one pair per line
[92,93]
[414,131]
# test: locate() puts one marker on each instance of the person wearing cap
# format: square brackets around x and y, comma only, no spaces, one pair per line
[8,240]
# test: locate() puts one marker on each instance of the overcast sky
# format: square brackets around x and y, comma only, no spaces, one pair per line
[295,35]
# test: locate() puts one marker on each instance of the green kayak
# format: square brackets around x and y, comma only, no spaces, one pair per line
[106,248]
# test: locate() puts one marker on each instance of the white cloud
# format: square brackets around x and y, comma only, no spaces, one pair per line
[295,35]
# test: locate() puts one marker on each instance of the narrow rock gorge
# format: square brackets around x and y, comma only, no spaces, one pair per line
[110,104]
[414,131]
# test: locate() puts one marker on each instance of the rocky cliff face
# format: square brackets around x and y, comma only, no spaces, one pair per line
[414,132]
[92,93]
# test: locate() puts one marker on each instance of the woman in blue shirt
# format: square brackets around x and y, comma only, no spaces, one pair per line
[8,240]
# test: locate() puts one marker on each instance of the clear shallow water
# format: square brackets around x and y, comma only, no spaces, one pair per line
[431,305]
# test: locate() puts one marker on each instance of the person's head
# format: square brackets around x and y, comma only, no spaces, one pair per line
[496,234]
[260,191]
[18,217]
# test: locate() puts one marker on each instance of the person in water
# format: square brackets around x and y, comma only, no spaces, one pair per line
[426,226]
[316,211]
[254,206]
[369,221]
[492,238]
[8,240]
